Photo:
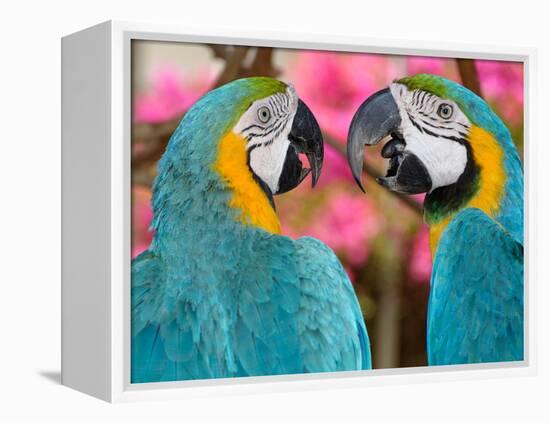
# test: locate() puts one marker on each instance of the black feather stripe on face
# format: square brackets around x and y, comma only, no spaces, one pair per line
[421,111]
[279,105]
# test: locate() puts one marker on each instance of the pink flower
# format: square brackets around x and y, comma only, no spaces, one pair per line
[346,224]
[420,260]
[172,93]
[502,86]
[141,219]
[335,168]
[334,84]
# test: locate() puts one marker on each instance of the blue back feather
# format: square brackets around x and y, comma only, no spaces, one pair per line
[476,300]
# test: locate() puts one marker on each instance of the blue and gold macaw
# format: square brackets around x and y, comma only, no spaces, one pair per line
[443,140]
[220,292]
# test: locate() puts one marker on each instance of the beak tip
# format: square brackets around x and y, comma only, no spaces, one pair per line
[360,184]
[356,164]
[314,180]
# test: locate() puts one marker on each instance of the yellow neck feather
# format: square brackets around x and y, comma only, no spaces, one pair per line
[247,195]
[489,156]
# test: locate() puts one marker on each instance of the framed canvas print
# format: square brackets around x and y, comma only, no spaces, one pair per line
[253,212]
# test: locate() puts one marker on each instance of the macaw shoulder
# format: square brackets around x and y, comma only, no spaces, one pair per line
[146,290]
[319,260]
[472,233]
[333,332]
[476,246]
[480,267]
[305,261]
[146,273]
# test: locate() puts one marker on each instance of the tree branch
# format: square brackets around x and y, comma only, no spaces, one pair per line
[233,64]
[469,75]
[263,63]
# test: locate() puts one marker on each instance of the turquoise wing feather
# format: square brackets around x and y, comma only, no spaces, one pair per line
[333,335]
[147,351]
[291,309]
[475,312]
[176,330]
[263,333]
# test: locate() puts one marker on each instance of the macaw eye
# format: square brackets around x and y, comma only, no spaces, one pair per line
[445,110]
[264,114]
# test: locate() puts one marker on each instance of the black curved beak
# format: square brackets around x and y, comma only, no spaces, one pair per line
[375,119]
[378,119]
[305,138]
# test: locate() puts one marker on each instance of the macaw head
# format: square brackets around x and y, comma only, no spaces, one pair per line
[276,127]
[245,138]
[435,132]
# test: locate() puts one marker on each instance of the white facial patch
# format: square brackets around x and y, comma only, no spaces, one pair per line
[433,134]
[265,126]
[268,162]
[444,159]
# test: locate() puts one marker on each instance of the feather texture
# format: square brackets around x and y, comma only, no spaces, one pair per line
[476,300]
[282,307]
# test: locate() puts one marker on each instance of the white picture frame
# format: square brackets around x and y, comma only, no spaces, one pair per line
[96,122]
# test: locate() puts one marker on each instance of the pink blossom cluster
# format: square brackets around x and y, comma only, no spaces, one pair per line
[502,86]
[420,258]
[346,224]
[172,92]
